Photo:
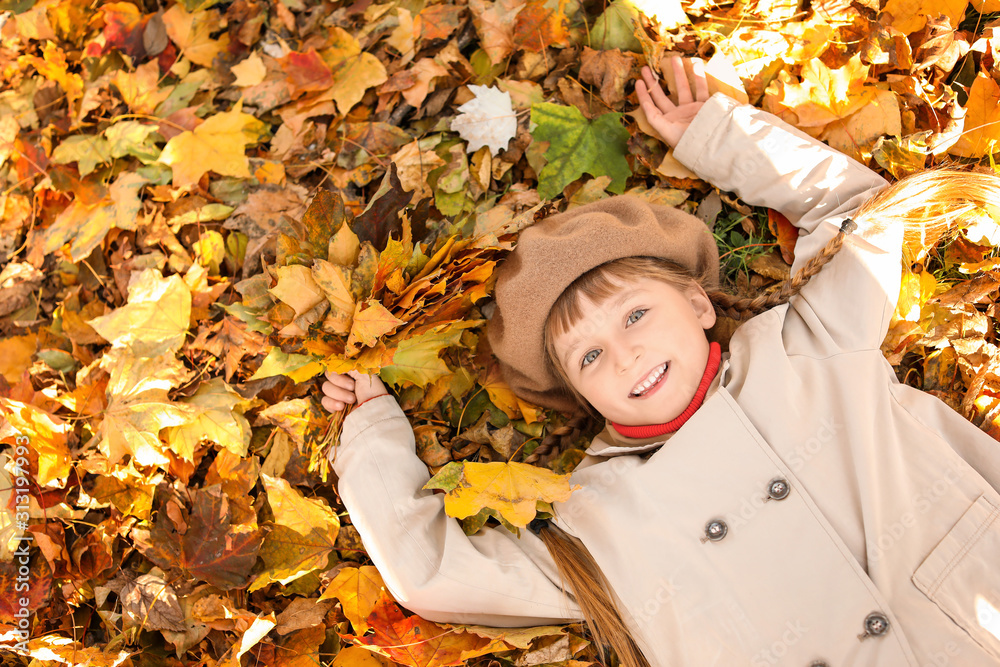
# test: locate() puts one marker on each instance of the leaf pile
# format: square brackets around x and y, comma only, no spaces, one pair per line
[207,203]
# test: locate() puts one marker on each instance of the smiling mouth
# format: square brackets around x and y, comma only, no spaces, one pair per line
[651,381]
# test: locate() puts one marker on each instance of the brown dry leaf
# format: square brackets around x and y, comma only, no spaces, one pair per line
[301,613]
[495,24]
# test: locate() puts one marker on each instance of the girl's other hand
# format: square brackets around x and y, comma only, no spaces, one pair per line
[341,390]
[669,119]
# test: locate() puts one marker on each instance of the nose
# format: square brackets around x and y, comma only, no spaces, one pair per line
[625,360]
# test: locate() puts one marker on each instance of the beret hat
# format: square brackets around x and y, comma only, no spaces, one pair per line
[554,252]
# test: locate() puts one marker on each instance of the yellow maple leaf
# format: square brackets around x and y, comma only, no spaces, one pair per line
[371,320]
[219,145]
[297,288]
[140,89]
[15,356]
[359,589]
[304,534]
[981,133]
[216,419]
[911,15]
[46,436]
[354,70]
[823,95]
[53,66]
[335,281]
[192,33]
[513,490]
[155,319]
[138,406]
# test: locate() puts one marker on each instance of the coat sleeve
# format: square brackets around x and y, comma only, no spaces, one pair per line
[848,304]
[427,562]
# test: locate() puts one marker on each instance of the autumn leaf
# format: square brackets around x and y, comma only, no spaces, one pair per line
[511,489]
[216,545]
[215,418]
[823,95]
[138,407]
[155,319]
[46,433]
[486,120]
[218,145]
[417,642]
[359,590]
[191,32]
[303,537]
[578,146]
[981,135]
[371,321]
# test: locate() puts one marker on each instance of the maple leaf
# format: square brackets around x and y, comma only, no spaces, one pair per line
[138,406]
[155,319]
[371,321]
[911,15]
[417,359]
[823,95]
[981,135]
[215,418]
[417,642]
[513,489]
[46,433]
[302,539]
[486,120]
[354,70]
[216,546]
[359,589]
[578,146]
[192,33]
[218,145]
[495,23]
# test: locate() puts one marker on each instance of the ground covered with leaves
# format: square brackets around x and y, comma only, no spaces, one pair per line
[205,204]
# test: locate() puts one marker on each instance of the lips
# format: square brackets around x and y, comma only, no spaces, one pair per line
[651,382]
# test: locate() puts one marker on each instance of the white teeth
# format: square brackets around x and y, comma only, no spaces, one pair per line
[650,380]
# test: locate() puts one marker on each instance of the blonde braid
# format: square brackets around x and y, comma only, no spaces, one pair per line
[740,308]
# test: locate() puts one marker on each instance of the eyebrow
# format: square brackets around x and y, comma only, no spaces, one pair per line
[614,305]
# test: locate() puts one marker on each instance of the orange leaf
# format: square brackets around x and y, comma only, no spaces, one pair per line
[541,23]
[786,233]
[981,135]
[417,642]
[306,72]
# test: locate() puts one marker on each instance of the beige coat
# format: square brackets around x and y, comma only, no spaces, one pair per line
[886,504]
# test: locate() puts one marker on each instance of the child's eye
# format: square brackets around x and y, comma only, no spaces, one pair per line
[635,315]
[590,357]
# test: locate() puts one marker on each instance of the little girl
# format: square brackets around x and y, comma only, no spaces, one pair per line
[788,502]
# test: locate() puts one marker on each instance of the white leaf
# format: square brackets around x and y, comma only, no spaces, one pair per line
[487,120]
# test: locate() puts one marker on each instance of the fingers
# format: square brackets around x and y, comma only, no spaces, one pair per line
[680,77]
[652,90]
[340,380]
[337,395]
[700,80]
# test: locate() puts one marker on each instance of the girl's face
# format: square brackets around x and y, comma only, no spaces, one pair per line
[638,357]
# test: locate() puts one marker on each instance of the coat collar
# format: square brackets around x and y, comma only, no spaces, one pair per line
[611,443]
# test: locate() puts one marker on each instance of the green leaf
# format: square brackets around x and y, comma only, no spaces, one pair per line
[615,28]
[87,150]
[130,137]
[577,146]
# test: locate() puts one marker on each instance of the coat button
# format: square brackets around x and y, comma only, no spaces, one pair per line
[778,489]
[876,624]
[716,530]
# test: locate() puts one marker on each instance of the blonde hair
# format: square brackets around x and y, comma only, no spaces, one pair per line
[928,205]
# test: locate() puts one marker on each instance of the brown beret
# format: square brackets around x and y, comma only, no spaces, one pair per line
[553,253]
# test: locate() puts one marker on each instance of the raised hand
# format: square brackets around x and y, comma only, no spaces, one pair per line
[341,390]
[668,119]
